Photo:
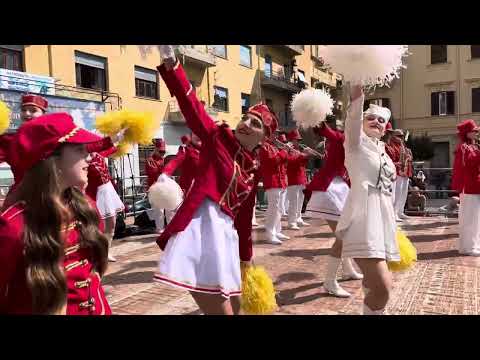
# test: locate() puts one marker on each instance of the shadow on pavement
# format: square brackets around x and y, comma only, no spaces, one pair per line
[429,238]
[139,277]
[287,297]
[321,235]
[307,254]
[294,276]
[418,227]
[438,255]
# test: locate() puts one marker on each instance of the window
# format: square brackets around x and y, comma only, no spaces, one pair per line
[220,98]
[438,54]
[476,100]
[268,66]
[443,103]
[90,71]
[146,84]
[246,56]
[475,51]
[218,50]
[11,58]
[302,82]
[245,102]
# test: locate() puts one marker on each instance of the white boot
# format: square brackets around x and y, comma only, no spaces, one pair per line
[273,239]
[282,237]
[349,272]
[293,226]
[300,222]
[330,284]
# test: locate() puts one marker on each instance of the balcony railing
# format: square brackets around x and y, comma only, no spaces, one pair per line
[175,114]
[296,49]
[279,80]
[197,54]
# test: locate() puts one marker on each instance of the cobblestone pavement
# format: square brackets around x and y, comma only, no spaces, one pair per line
[442,282]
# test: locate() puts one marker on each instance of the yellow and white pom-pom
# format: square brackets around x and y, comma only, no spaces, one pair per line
[258,293]
[408,253]
[165,194]
[310,107]
[367,65]
[4,117]
[122,150]
[139,127]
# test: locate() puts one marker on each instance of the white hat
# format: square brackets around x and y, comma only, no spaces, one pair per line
[379,111]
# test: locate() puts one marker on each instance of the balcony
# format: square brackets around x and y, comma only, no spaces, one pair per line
[295,49]
[278,80]
[196,54]
[175,115]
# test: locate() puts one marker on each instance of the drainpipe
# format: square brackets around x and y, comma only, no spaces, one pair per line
[50,61]
[458,83]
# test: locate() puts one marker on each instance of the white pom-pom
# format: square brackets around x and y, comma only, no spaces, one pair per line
[310,107]
[367,65]
[166,51]
[165,194]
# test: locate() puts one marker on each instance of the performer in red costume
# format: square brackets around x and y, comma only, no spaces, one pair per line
[155,163]
[297,179]
[52,253]
[32,106]
[273,166]
[330,188]
[282,137]
[466,180]
[211,231]
[100,189]
[403,160]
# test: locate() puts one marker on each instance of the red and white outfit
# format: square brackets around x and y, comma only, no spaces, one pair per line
[100,185]
[330,185]
[273,164]
[466,180]
[297,179]
[212,229]
[284,173]
[85,295]
[402,158]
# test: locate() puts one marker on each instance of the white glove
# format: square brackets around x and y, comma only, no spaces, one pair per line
[118,137]
[166,52]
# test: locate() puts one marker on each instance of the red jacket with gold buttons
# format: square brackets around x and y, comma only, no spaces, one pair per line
[188,160]
[153,168]
[226,171]
[273,166]
[466,169]
[296,168]
[85,294]
[401,156]
[98,173]
[334,162]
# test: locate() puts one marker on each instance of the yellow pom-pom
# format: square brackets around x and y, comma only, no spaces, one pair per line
[258,293]
[122,150]
[140,127]
[408,253]
[4,117]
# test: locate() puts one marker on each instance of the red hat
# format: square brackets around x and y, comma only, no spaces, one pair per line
[282,138]
[38,138]
[159,144]
[186,139]
[467,126]
[294,135]
[268,118]
[35,100]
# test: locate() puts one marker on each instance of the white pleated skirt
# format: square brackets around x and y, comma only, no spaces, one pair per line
[469,223]
[328,205]
[205,256]
[372,236]
[108,201]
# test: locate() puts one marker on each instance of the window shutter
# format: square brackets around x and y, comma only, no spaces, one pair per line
[435,104]
[476,100]
[450,102]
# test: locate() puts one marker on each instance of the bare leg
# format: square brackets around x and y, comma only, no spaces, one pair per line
[236,305]
[109,232]
[378,284]
[212,304]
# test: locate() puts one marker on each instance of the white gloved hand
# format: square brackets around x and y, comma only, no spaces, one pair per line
[118,137]
[166,52]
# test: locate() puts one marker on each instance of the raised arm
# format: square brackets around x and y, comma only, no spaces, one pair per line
[354,121]
[192,109]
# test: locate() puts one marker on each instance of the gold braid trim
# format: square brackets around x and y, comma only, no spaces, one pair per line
[69,135]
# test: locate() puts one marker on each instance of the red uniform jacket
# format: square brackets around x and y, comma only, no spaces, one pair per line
[226,172]
[296,174]
[153,169]
[98,173]
[85,294]
[397,152]
[273,166]
[466,169]
[334,162]
[187,159]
